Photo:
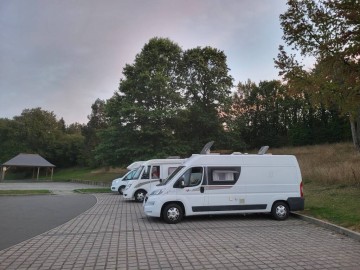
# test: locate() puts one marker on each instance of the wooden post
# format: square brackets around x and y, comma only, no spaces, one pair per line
[3,170]
[52,172]
[37,178]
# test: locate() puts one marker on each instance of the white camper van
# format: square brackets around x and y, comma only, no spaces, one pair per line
[119,184]
[227,184]
[148,176]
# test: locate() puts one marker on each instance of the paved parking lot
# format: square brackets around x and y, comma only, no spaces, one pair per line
[115,234]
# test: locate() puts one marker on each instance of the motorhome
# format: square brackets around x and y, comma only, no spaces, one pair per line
[148,176]
[119,184]
[227,184]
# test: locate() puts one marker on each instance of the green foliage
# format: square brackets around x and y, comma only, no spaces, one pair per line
[93,190]
[207,87]
[267,114]
[25,192]
[334,203]
[97,122]
[329,31]
[38,131]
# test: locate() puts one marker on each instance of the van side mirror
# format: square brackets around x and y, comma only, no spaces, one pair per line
[179,184]
[182,183]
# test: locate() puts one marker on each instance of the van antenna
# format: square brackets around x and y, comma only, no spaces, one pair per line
[206,148]
[263,150]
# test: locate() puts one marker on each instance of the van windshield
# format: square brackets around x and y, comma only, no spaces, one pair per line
[136,173]
[130,175]
[171,176]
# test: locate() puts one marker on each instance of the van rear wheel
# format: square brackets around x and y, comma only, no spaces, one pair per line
[140,195]
[280,210]
[172,213]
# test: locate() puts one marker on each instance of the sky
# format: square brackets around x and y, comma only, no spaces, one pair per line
[61,55]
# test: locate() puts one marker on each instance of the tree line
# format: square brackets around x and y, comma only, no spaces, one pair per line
[171,102]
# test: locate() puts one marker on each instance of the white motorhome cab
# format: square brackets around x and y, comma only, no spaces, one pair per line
[148,176]
[228,184]
[119,184]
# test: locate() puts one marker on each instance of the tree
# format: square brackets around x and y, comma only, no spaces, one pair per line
[38,131]
[263,113]
[207,87]
[329,31]
[97,122]
[142,113]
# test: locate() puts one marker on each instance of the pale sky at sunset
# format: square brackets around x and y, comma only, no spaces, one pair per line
[61,55]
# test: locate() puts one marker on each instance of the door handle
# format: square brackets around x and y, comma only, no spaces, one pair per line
[202,189]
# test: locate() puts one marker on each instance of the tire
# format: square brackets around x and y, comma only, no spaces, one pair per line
[121,190]
[140,195]
[280,211]
[172,213]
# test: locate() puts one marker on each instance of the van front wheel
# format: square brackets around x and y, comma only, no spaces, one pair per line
[280,210]
[172,213]
[121,190]
[140,195]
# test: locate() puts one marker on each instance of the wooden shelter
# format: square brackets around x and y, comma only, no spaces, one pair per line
[27,160]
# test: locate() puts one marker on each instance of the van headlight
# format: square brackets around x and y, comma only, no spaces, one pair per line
[157,192]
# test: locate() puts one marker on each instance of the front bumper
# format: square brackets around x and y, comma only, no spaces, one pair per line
[151,207]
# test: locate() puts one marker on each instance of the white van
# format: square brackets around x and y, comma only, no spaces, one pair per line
[227,184]
[119,184]
[148,176]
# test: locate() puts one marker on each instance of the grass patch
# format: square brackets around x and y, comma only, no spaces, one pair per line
[337,204]
[93,190]
[331,177]
[25,192]
[104,175]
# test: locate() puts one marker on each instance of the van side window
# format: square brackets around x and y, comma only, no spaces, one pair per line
[192,177]
[223,175]
[171,170]
[155,172]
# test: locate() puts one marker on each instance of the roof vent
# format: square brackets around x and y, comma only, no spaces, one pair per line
[263,150]
[206,149]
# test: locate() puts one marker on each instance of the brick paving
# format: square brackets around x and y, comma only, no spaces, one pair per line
[115,234]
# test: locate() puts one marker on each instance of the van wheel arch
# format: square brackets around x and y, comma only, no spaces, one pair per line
[172,202]
[121,189]
[280,210]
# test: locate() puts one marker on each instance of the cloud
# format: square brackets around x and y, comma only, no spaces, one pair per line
[63,55]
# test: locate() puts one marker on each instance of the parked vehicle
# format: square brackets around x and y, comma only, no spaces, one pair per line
[148,176]
[228,184]
[119,184]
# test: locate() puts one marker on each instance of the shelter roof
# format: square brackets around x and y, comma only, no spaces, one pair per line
[28,160]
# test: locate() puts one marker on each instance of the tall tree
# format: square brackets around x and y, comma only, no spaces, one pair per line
[207,87]
[329,31]
[144,109]
[97,122]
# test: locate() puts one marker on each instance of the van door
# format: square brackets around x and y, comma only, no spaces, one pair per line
[192,191]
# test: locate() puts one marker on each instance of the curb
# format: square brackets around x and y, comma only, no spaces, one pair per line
[327,225]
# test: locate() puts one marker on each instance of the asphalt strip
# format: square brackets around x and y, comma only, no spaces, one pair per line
[23,217]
